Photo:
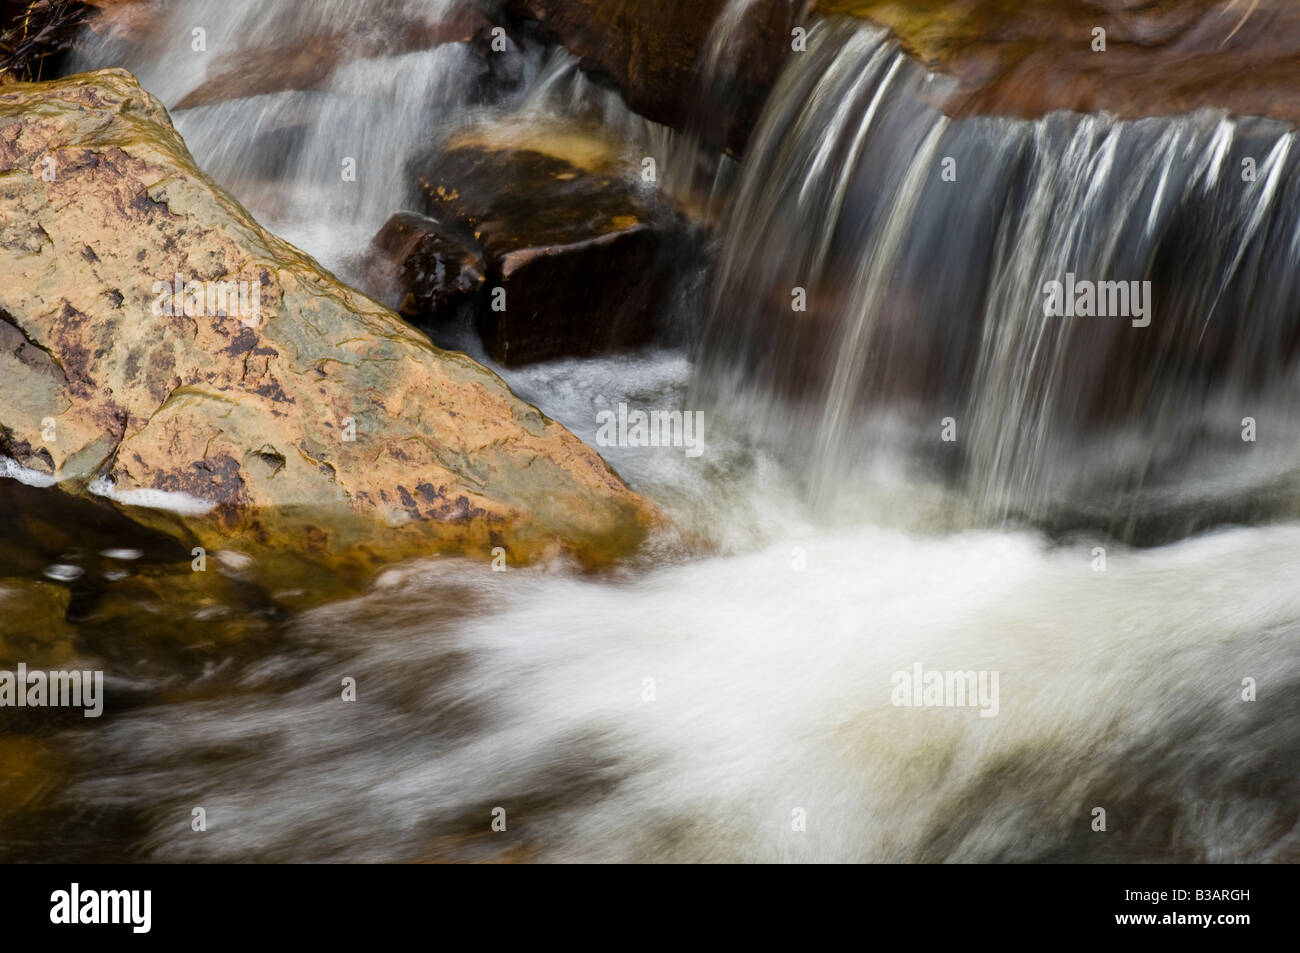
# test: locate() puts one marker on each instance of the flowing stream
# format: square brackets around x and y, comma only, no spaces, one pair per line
[732,697]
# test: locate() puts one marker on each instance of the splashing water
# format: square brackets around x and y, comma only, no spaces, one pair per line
[731,698]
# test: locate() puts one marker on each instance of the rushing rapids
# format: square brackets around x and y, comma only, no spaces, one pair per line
[740,673]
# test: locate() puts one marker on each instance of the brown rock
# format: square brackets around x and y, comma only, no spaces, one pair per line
[583,253]
[317,422]
[1029,57]
[424,268]
[654,53]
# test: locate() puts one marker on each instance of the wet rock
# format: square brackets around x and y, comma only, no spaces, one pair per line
[580,255]
[423,268]
[265,400]
[32,774]
[163,619]
[1029,57]
[34,629]
[657,54]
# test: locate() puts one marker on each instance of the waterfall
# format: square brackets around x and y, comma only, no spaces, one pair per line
[876,281]
[325,166]
[321,166]
[922,246]
[919,245]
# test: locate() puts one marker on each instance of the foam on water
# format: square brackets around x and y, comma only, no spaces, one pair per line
[13,470]
[687,711]
[771,691]
[185,504]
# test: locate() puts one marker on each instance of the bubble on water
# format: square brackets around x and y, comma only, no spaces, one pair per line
[123,554]
[13,470]
[63,572]
[233,560]
[176,502]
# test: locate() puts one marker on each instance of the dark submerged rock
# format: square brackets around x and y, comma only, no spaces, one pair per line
[580,255]
[424,268]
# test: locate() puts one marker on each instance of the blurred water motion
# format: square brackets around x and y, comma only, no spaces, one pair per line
[684,706]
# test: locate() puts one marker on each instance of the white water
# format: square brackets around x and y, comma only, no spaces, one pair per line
[771,693]
[771,684]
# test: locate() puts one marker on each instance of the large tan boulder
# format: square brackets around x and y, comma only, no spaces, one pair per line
[301,416]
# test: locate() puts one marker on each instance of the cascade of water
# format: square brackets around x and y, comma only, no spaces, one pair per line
[318,158]
[684,709]
[709,183]
[323,160]
[880,259]
[916,247]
